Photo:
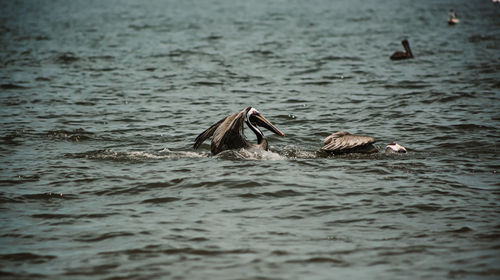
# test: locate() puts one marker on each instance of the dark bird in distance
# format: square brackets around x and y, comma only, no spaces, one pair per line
[227,134]
[403,55]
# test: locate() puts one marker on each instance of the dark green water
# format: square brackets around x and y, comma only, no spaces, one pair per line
[100,103]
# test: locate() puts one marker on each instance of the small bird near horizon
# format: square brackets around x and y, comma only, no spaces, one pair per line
[453,18]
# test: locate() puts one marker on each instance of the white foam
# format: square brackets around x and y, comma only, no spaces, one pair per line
[250,154]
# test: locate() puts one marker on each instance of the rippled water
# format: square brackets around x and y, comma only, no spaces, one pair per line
[101,102]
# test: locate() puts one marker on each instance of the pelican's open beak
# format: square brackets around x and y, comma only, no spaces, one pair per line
[259,120]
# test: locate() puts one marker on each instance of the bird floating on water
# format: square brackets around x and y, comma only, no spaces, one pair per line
[343,142]
[453,19]
[227,134]
[403,55]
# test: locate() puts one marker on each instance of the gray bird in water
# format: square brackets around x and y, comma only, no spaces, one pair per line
[343,142]
[227,134]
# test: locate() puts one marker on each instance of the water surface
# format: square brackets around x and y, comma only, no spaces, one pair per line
[100,103]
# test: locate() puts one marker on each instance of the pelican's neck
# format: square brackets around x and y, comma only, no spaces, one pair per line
[263,144]
[406,45]
[257,131]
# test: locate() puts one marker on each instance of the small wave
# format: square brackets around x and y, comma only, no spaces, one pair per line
[166,153]
[101,57]
[70,216]
[306,71]
[276,194]
[139,27]
[426,207]
[207,83]
[331,261]
[478,38]
[316,83]
[66,58]
[495,235]
[134,190]
[336,77]
[20,179]
[75,135]
[161,200]
[445,98]
[43,79]
[404,250]
[13,137]
[26,258]
[41,196]
[408,85]
[473,274]
[36,197]
[350,221]
[263,53]
[12,86]
[239,210]
[109,154]
[102,69]
[360,19]
[249,154]
[293,152]
[341,58]
[213,37]
[471,126]
[461,230]
[150,249]
[52,216]
[182,52]
[108,235]
[42,38]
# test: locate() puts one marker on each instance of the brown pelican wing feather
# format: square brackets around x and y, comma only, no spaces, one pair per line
[340,141]
[207,134]
[229,134]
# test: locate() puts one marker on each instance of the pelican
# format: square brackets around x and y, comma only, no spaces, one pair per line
[403,55]
[228,132]
[343,142]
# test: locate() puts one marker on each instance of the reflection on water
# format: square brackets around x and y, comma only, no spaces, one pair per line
[100,103]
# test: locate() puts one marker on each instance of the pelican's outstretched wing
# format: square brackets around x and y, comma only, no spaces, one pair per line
[207,133]
[229,134]
[342,141]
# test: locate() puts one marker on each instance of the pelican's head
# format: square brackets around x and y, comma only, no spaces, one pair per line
[395,148]
[254,118]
